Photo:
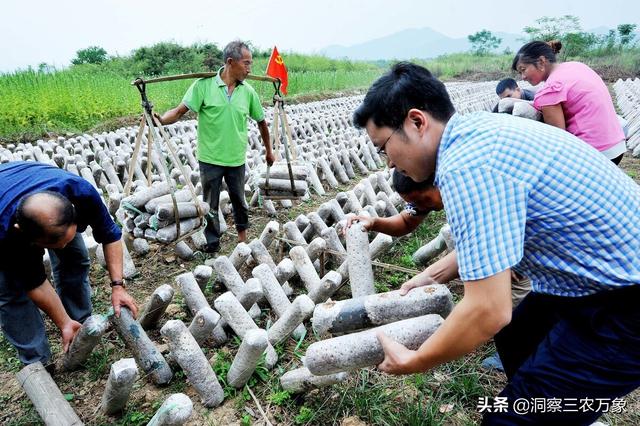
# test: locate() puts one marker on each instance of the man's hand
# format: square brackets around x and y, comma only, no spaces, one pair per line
[120,297]
[157,117]
[397,358]
[420,280]
[69,331]
[270,158]
[366,221]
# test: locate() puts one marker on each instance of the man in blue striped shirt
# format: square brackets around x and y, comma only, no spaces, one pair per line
[525,196]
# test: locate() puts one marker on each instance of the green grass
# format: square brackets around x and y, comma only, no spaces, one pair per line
[81,97]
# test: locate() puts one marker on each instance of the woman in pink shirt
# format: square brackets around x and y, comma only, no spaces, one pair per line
[573,97]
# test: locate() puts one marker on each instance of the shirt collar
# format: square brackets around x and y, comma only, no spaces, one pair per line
[221,83]
[448,137]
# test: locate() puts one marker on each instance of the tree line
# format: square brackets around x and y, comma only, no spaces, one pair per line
[567,29]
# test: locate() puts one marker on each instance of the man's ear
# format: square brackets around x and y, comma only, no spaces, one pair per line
[418,119]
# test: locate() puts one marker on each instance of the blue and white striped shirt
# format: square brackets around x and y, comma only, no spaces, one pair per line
[535,198]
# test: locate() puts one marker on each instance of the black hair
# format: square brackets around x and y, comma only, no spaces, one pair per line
[504,84]
[403,184]
[33,228]
[404,87]
[530,53]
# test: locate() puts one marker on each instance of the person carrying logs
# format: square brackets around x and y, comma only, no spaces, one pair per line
[223,104]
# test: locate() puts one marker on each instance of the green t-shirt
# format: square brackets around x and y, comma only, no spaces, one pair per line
[222,121]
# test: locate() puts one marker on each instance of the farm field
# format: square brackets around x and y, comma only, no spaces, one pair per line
[445,395]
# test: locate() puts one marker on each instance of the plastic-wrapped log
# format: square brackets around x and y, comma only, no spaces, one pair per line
[363,349]
[158,303]
[122,376]
[299,310]
[187,353]
[346,161]
[87,338]
[183,251]
[261,254]
[247,293]
[240,321]
[202,274]
[293,234]
[333,243]
[301,380]
[203,324]
[165,211]
[359,261]
[269,233]
[327,174]
[282,185]
[304,267]
[270,207]
[46,397]
[140,198]
[279,171]
[174,411]
[193,296]
[380,244]
[140,246]
[181,196]
[275,295]
[240,254]
[170,233]
[430,250]
[378,309]
[249,353]
[328,285]
[358,162]
[314,180]
[144,351]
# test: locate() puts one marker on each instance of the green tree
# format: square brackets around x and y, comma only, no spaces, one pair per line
[483,42]
[549,28]
[626,32]
[578,43]
[90,55]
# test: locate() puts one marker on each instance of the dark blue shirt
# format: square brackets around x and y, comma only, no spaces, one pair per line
[21,178]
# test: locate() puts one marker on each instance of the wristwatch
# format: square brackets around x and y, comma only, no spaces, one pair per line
[116,283]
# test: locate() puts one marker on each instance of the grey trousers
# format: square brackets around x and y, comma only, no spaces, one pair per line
[211,177]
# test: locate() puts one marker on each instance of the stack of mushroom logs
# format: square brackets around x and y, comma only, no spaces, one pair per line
[628,100]
[292,289]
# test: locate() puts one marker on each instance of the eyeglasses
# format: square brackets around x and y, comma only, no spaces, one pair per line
[381,150]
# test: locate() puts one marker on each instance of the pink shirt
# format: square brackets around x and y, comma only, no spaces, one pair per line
[586,103]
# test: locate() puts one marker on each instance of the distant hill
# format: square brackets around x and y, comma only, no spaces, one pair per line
[421,43]
[413,43]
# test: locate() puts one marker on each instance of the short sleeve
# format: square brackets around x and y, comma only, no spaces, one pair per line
[92,211]
[255,107]
[194,97]
[553,93]
[487,213]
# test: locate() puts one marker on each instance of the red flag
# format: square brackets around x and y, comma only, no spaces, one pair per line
[277,69]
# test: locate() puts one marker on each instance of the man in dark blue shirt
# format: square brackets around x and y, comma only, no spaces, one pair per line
[44,207]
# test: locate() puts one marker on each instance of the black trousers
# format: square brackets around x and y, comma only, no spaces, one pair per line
[211,177]
[567,359]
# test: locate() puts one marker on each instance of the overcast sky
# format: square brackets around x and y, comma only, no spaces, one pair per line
[51,31]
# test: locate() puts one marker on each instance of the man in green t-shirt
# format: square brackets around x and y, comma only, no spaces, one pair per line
[223,104]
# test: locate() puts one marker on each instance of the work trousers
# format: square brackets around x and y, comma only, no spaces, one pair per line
[20,318]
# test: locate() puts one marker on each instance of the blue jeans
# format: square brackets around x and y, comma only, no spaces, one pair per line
[573,349]
[20,318]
